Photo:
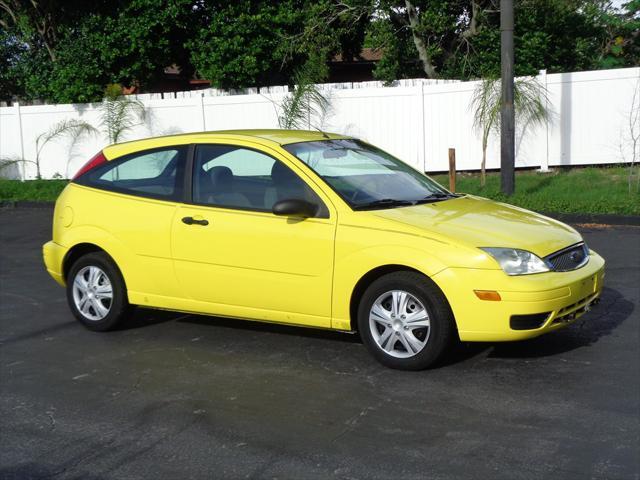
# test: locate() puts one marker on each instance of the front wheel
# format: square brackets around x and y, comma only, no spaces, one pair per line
[405,321]
[96,292]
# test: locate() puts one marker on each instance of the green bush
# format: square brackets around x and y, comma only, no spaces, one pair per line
[39,190]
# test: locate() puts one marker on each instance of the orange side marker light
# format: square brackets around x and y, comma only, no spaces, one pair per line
[490,295]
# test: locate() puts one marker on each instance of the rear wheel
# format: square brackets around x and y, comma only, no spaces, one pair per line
[96,292]
[405,321]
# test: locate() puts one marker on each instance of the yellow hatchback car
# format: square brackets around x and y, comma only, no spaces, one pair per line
[311,229]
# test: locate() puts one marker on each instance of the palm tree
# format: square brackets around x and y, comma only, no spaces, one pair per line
[70,129]
[530,103]
[119,113]
[305,103]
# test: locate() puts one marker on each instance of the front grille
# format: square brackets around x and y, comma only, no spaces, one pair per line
[569,258]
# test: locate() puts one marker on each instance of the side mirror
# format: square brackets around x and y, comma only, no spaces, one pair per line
[293,207]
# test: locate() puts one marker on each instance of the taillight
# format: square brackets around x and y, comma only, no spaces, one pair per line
[98,159]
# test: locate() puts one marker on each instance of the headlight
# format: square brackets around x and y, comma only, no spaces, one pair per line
[517,262]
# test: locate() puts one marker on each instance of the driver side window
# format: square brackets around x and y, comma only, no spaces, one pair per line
[241,178]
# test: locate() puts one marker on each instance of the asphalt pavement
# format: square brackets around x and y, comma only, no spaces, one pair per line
[182,396]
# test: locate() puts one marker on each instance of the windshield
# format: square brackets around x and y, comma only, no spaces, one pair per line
[365,176]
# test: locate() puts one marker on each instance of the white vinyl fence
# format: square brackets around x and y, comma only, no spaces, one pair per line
[416,120]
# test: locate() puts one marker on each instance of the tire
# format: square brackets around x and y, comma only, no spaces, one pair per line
[415,341]
[88,285]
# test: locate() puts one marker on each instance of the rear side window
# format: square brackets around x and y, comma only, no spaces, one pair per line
[157,173]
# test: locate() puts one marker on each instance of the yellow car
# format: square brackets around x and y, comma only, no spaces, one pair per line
[311,229]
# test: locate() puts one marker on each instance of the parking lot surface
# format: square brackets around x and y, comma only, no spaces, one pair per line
[184,396]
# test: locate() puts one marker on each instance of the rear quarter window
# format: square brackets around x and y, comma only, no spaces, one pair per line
[157,173]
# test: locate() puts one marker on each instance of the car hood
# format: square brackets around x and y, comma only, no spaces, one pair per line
[480,222]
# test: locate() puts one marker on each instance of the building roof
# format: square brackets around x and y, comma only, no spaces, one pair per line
[366,55]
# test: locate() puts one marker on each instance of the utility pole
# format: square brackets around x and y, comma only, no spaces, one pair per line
[507,114]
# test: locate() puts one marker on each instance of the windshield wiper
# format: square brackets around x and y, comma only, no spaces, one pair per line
[438,197]
[384,202]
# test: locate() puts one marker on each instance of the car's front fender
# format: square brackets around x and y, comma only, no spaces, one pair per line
[350,268]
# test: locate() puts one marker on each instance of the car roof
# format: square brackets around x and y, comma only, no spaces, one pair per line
[283,137]
[269,137]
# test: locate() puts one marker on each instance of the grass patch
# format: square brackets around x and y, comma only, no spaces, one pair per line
[39,190]
[579,190]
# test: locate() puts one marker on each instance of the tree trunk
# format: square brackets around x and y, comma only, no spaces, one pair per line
[507,112]
[427,64]
[52,54]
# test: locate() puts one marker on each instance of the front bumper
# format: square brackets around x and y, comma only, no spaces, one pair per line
[53,255]
[563,296]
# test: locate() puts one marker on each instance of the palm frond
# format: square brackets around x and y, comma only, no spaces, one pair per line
[12,161]
[304,105]
[530,103]
[6,162]
[68,128]
[119,115]
[486,106]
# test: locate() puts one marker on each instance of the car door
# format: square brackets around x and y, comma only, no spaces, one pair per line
[236,257]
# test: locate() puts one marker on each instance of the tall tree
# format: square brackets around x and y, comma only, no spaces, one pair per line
[440,32]
[622,47]
[68,51]
[10,53]
[36,22]
[92,44]
[240,44]
[458,38]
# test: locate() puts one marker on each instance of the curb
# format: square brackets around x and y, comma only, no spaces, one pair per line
[574,218]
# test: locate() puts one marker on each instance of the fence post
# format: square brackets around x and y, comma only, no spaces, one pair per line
[21,140]
[544,162]
[202,116]
[423,139]
[452,170]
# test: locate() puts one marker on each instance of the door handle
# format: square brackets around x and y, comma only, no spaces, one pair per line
[195,221]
